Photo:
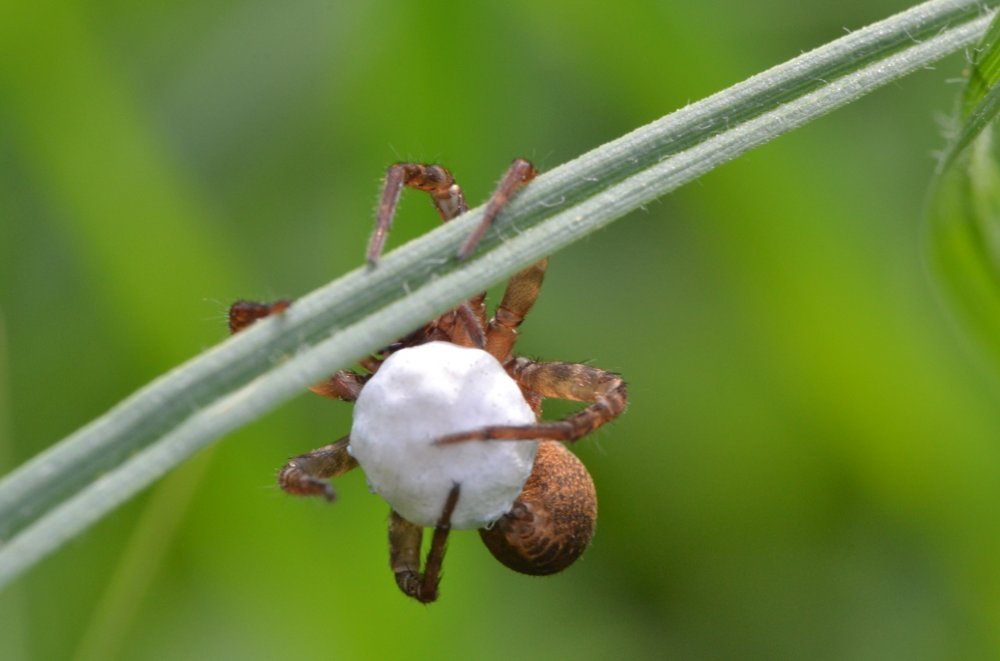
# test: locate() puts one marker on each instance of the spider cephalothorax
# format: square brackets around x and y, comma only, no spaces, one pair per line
[447,423]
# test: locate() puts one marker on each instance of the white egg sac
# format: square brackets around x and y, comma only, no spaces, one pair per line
[422,393]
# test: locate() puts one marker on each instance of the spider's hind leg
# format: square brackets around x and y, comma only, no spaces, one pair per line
[405,539]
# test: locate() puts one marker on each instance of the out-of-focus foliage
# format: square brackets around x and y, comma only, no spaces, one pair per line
[809,466]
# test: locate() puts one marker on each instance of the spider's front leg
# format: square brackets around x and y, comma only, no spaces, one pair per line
[344,385]
[447,197]
[244,313]
[605,390]
[433,179]
[405,539]
[518,174]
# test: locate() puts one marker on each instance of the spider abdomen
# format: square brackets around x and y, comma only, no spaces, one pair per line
[552,521]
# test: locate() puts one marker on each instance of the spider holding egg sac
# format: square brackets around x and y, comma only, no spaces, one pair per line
[447,420]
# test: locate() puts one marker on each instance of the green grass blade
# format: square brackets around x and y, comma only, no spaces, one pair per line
[252,373]
[985,71]
[964,207]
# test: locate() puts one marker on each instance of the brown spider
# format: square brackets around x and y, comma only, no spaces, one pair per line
[547,521]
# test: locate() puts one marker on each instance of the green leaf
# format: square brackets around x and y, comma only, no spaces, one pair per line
[964,206]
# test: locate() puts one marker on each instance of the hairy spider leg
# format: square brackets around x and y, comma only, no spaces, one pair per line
[243,313]
[405,540]
[470,331]
[434,179]
[605,390]
[518,298]
[450,202]
[309,474]
[522,290]
[518,174]
[344,385]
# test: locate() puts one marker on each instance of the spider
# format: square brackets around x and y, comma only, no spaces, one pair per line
[447,420]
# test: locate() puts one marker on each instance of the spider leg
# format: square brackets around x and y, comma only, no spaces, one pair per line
[518,297]
[308,474]
[243,313]
[434,179]
[605,390]
[344,385]
[470,329]
[450,202]
[519,173]
[405,539]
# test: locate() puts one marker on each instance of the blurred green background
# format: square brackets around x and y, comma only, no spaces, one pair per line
[809,467]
